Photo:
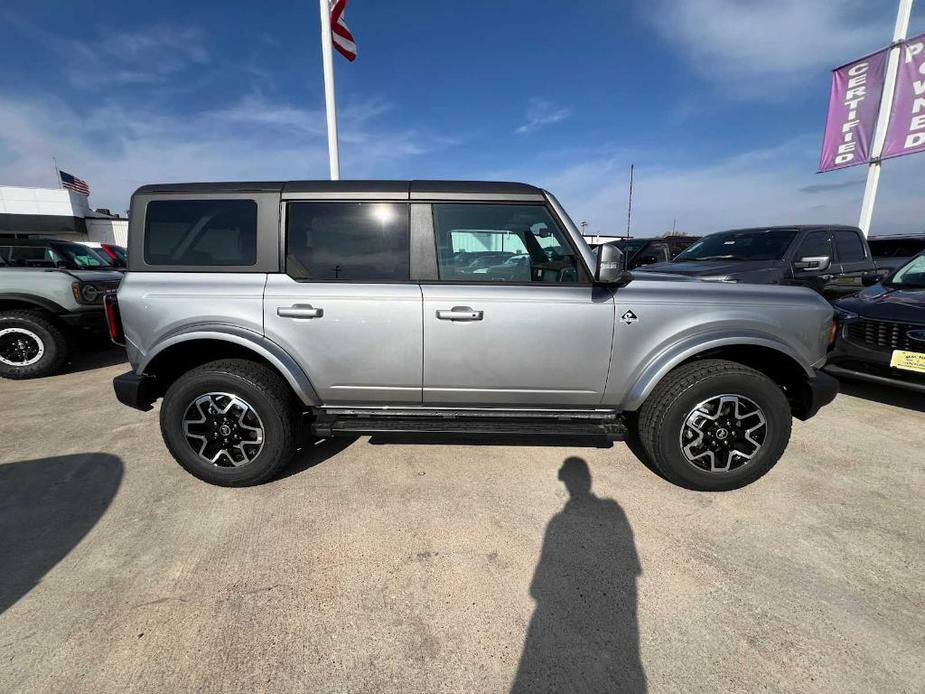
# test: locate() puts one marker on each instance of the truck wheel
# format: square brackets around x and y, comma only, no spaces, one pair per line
[31,345]
[230,422]
[715,425]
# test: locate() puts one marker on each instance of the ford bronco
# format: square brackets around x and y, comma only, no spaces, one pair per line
[51,291]
[257,311]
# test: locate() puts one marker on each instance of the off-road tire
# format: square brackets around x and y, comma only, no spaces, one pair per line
[54,343]
[662,417]
[263,389]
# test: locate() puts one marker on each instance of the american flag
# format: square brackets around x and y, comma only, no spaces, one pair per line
[78,185]
[343,39]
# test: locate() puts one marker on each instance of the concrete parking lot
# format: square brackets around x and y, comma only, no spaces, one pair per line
[375,566]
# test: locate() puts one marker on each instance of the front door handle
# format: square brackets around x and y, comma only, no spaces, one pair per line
[459,313]
[299,311]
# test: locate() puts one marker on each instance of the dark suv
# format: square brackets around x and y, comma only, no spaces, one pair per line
[639,252]
[881,330]
[833,260]
[892,252]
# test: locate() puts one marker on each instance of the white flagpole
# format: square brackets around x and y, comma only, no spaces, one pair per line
[327,59]
[886,105]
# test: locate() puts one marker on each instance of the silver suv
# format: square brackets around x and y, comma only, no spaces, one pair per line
[258,311]
[51,295]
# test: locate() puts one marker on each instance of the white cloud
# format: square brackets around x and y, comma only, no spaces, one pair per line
[117,58]
[761,187]
[149,56]
[541,113]
[116,148]
[756,48]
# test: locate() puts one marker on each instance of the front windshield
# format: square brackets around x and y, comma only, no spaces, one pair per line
[630,246]
[911,275]
[83,257]
[747,244]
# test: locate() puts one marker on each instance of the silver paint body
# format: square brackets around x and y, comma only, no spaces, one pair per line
[534,346]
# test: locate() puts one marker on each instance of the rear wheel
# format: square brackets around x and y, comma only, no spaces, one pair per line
[230,422]
[714,425]
[31,345]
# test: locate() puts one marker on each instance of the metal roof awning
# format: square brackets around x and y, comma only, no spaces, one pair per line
[41,224]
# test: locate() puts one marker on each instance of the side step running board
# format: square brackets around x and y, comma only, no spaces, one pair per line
[355,423]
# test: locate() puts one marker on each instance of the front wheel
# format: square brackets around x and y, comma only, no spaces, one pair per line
[715,425]
[230,422]
[31,345]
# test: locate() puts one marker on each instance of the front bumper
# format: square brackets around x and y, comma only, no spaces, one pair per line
[818,392]
[134,390]
[90,319]
[851,360]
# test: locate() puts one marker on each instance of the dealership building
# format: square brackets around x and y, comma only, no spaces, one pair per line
[57,213]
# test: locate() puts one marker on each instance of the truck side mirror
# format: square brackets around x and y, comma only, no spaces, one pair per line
[610,266]
[648,259]
[813,263]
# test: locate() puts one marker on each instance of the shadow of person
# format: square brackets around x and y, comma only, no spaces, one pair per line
[47,506]
[584,636]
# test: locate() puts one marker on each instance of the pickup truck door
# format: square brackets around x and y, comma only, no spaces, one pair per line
[346,309]
[854,261]
[539,339]
[814,245]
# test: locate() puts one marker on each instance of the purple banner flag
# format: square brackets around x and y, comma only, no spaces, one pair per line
[854,103]
[906,132]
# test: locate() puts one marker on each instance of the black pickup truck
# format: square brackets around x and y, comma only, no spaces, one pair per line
[834,260]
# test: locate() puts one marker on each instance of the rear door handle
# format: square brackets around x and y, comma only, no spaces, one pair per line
[459,313]
[299,311]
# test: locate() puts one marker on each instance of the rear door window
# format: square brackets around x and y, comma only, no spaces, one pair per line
[201,233]
[849,246]
[348,241]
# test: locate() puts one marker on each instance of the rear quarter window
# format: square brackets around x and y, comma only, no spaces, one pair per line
[201,233]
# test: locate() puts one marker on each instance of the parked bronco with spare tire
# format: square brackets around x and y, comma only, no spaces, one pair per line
[351,307]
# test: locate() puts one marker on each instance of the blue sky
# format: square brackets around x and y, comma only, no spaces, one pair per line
[719,103]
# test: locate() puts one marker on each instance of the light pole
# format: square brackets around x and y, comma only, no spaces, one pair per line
[886,105]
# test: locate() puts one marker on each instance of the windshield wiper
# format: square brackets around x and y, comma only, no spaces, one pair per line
[707,257]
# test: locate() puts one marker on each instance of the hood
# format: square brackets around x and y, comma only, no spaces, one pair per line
[886,303]
[700,268]
[94,275]
[660,276]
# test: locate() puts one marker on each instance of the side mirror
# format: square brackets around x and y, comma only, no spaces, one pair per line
[869,279]
[610,266]
[646,260]
[813,264]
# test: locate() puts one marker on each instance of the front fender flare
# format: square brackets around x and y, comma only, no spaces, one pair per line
[680,352]
[279,358]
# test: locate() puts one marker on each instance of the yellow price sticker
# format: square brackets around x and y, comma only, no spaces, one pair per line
[910,361]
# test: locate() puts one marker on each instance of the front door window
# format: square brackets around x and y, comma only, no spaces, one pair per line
[502,243]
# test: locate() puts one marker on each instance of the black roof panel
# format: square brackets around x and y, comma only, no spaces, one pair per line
[415,190]
[219,187]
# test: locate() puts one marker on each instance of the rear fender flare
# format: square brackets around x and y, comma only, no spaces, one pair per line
[279,358]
